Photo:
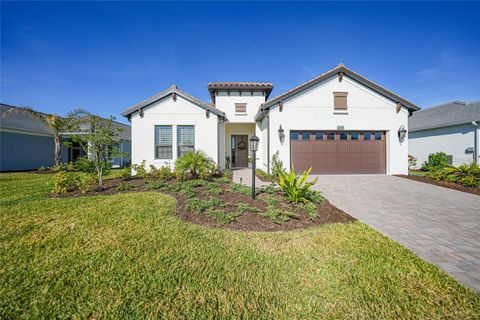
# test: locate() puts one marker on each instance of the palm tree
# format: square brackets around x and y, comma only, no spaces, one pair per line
[55,124]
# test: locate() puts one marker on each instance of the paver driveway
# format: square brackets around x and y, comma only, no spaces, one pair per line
[440,225]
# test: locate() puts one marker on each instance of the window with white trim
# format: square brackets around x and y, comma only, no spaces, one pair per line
[163,142]
[185,139]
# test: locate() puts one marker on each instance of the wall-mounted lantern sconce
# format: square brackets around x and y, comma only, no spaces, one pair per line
[280,106]
[281,134]
[140,112]
[174,96]
[402,133]
[207,113]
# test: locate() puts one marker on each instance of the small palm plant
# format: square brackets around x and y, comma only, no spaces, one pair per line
[195,162]
[55,124]
[296,188]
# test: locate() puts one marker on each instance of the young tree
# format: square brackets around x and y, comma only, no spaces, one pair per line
[97,136]
[55,124]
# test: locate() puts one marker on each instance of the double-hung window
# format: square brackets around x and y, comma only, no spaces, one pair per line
[163,142]
[185,139]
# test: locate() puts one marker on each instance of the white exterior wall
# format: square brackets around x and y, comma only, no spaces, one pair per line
[221,144]
[451,140]
[262,153]
[168,112]
[312,109]
[226,102]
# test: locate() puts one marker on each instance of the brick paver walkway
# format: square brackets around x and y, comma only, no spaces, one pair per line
[244,176]
[440,225]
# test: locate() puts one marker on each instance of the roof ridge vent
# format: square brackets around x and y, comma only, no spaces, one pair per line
[341,65]
[173,86]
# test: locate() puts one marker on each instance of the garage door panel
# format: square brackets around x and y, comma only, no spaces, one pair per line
[339,156]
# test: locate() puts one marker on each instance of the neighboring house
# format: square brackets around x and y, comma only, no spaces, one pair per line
[337,123]
[452,127]
[25,143]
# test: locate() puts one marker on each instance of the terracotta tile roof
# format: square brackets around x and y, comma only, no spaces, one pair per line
[265,86]
[240,85]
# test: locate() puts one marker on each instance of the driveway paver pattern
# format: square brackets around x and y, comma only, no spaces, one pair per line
[440,225]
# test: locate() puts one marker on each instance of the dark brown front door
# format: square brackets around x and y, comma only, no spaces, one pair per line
[239,150]
[338,152]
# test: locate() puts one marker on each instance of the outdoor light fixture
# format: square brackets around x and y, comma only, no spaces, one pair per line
[402,133]
[254,143]
[254,147]
[281,134]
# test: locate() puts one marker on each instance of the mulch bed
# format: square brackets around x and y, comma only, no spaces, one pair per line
[247,221]
[445,184]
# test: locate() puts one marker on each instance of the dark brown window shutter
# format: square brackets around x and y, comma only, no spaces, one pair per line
[240,107]
[340,100]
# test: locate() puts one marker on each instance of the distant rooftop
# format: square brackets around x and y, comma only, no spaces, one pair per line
[445,115]
[23,122]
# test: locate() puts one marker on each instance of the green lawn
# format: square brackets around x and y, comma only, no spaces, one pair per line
[128,256]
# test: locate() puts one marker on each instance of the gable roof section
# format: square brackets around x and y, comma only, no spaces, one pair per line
[445,115]
[172,89]
[341,68]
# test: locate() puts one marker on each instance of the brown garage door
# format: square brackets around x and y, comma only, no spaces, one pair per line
[338,152]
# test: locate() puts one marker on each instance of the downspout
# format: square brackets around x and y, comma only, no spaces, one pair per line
[475,142]
[268,140]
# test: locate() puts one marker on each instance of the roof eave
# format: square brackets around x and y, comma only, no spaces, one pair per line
[128,112]
[349,73]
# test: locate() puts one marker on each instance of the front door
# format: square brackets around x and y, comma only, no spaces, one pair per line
[239,151]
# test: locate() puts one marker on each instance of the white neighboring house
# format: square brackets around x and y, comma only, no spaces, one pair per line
[453,128]
[336,123]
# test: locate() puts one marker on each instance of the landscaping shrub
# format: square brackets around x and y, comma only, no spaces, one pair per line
[270,189]
[263,175]
[238,188]
[123,173]
[125,187]
[296,188]
[312,210]
[162,173]
[196,163]
[157,185]
[221,216]
[277,166]
[470,181]
[436,161]
[86,181]
[63,182]
[189,191]
[277,215]
[436,175]
[214,190]
[468,174]
[140,170]
[84,164]
[315,196]
[199,205]
[412,162]
[245,207]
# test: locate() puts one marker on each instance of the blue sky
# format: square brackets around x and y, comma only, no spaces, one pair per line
[106,56]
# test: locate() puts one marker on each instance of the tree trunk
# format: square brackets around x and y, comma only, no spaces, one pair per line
[100,176]
[58,149]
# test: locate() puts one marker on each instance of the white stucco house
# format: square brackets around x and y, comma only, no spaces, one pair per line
[336,123]
[452,127]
